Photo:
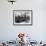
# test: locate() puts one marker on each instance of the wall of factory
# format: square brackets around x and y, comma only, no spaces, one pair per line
[37,31]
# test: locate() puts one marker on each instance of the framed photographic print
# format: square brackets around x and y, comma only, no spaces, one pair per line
[22,17]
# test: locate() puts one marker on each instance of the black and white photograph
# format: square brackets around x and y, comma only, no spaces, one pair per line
[22,17]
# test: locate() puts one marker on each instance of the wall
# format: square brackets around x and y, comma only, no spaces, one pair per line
[38,30]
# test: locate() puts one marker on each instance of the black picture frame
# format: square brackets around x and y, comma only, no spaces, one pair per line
[23,24]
